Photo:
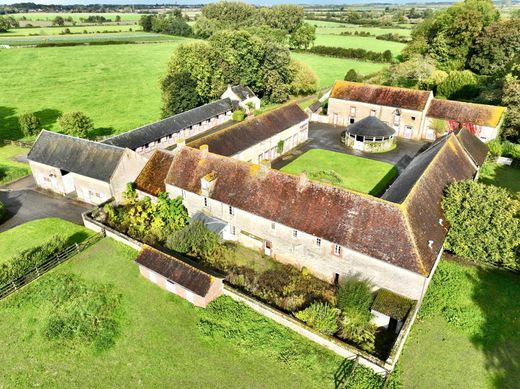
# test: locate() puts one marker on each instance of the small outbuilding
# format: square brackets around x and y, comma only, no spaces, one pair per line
[369,134]
[243,96]
[179,277]
[390,310]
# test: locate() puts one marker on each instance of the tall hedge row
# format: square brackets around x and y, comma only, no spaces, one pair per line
[361,54]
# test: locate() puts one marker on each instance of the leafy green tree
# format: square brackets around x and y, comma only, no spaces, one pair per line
[412,73]
[229,13]
[117,19]
[58,21]
[497,48]
[195,240]
[146,22]
[178,94]
[8,22]
[354,294]
[352,76]
[304,80]
[29,123]
[303,37]
[76,124]
[511,99]
[387,56]
[484,223]
[459,84]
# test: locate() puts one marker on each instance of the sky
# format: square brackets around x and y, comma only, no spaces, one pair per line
[188,2]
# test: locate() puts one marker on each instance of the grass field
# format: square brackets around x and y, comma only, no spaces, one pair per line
[36,232]
[468,331]
[49,16]
[159,341]
[11,170]
[504,176]
[343,170]
[85,38]
[324,27]
[73,29]
[358,42]
[117,86]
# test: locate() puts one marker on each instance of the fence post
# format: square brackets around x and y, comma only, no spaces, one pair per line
[77,247]
[37,271]
[14,285]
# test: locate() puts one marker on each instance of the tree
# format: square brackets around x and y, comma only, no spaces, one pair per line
[511,100]
[304,80]
[75,124]
[178,94]
[352,76]
[413,72]
[497,48]
[29,124]
[58,21]
[171,25]
[146,22]
[7,22]
[484,223]
[303,37]
[117,19]
[459,84]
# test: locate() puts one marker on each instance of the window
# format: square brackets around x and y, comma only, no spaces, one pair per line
[205,201]
[352,120]
[318,242]
[273,226]
[372,112]
[413,117]
[233,230]
[231,210]
[294,233]
[337,249]
[353,111]
[183,193]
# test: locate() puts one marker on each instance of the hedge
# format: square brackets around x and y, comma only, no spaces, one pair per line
[362,54]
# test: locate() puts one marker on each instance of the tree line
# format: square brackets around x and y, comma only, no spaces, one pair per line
[362,54]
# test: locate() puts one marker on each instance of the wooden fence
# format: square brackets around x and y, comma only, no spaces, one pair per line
[51,262]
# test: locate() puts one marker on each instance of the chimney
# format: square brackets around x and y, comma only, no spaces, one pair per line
[204,151]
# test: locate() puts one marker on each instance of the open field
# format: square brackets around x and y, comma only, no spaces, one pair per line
[504,176]
[324,27]
[99,81]
[49,16]
[37,232]
[343,170]
[11,170]
[74,29]
[138,36]
[468,331]
[159,340]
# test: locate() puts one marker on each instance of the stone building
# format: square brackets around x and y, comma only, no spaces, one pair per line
[243,96]
[166,132]
[91,171]
[178,276]
[413,114]
[260,138]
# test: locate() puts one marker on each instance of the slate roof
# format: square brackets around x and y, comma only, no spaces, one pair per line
[480,114]
[381,95]
[151,179]
[370,127]
[175,270]
[474,146]
[155,131]
[212,223]
[76,155]
[241,136]
[243,92]
[314,107]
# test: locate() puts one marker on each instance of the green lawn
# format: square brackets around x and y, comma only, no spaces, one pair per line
[343,170]
[11,170]
[160,342]
[49,16]
[85,38]
[74,29]
[37,232]
[329,69]
[468,331]
[117,86]
[358,42]
[504,176]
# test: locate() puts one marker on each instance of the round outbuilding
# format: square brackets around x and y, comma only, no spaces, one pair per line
[369,134]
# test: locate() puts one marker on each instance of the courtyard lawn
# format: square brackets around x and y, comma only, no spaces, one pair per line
[11,170]
[505,176]
[343,170]
[468,331]
[160,342]
[330,69]
[37,232]
[117,86]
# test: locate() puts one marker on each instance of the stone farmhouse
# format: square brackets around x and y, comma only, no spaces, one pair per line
[395,241]
[91,171]
[243,95]
[411,113]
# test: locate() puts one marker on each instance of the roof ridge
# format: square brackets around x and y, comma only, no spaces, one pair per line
[383,86]
[77,138]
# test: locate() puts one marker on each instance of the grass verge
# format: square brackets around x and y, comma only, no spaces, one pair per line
[11,170]
[505,176]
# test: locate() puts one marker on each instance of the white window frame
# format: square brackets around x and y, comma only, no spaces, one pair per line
[273,226]
[206,202]
[183,194]
[231,210]
[318,242]
[337,250]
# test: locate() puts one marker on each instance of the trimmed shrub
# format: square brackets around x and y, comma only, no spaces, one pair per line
[195,240]
[352,76]
[320,316]
[29,123]
[354,295]
[76,124]
[239,115]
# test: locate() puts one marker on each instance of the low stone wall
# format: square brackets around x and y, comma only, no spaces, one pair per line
[94,225]
[342,349]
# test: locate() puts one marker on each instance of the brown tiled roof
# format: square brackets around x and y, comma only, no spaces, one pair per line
[151,179]
[476,149]
[381,95]
[363,223]
[480,114]
[241,136]
[175,270]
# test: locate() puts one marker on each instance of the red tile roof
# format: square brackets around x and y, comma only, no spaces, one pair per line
[480,114]
[151,179]
[381,95]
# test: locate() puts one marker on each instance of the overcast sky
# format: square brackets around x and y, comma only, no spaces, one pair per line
[260,2]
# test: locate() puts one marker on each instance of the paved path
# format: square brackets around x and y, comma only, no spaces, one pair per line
[327,137]
[24,203]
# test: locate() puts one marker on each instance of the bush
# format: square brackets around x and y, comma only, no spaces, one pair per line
[29,123]
[239,115]
[511,150]
[357,328]
[320,316]
[354,295]
[352,76]
[195,240]
[361,54]
[495,148]
[304,80]
[459,84]
[485,224]
[75,124]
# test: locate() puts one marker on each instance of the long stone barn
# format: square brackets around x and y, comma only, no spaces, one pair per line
[90,171]
[395,241]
